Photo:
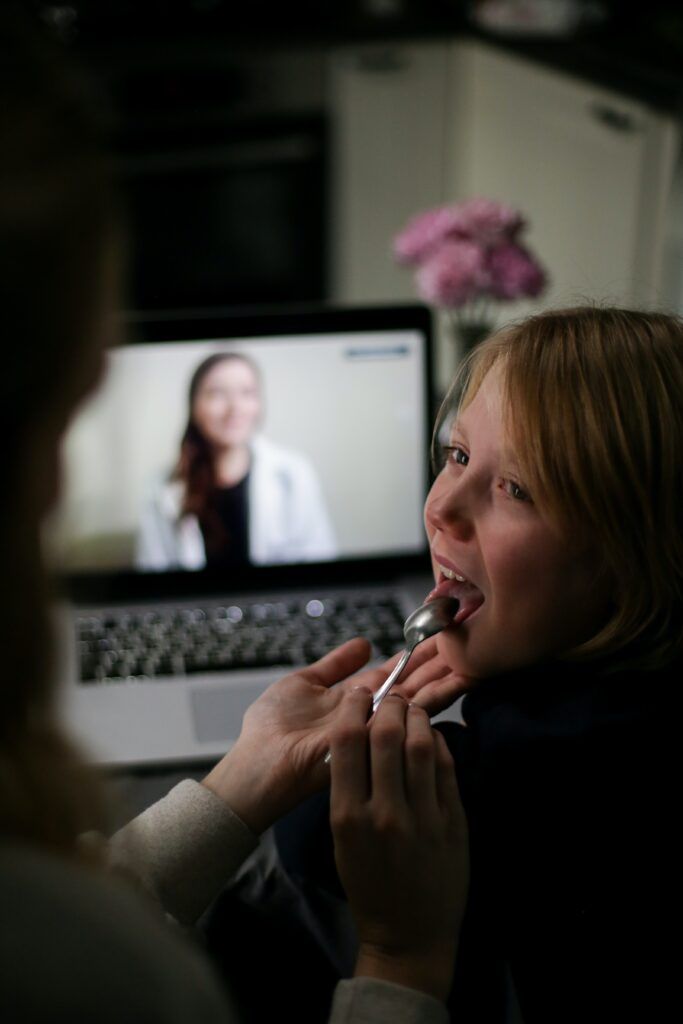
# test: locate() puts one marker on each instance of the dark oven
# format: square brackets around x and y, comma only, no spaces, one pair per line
[227,202]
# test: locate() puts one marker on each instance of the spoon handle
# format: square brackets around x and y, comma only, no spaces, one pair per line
[391,678]
[385,687]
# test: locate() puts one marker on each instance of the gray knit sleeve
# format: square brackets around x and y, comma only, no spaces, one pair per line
[183,849]
[369,1001]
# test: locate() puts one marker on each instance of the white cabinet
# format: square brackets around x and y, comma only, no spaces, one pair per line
[415,125]
[389,124]
[591,169]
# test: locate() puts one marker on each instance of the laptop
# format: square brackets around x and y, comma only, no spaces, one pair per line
[194,574]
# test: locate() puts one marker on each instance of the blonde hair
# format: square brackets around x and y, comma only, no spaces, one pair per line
[593,404]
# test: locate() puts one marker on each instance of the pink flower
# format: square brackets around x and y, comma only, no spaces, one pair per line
[469,250]
[424,232]
[486,221]
[453,274]
[514,273]
[482,220]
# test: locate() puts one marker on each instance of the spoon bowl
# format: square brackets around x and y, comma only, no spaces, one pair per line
[429,619]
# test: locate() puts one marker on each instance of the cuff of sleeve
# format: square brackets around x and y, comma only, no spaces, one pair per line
[369,1001]
[183,849]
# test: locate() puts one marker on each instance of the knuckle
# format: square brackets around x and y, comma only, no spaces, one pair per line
[420,748]
[388,823]
[387,735]
[344,821]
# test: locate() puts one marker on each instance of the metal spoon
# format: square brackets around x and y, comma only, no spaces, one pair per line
[427,620]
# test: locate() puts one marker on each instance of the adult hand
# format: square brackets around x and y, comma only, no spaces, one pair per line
[278,759]
[401,842]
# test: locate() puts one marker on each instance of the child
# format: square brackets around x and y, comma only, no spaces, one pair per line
[556,521]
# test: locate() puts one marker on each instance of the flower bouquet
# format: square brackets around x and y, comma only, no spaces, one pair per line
[468,256]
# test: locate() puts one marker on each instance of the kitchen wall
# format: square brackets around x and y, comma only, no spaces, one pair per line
[582,134]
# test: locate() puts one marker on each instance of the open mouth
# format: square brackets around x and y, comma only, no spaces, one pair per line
[453,585]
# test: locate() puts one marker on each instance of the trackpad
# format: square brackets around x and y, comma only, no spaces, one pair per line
[217,712]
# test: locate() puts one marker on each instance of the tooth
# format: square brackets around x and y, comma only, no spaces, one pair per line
[450,574]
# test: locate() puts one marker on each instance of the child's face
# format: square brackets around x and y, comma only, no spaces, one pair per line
[529,593]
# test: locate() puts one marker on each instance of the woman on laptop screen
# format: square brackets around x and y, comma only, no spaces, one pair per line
[234,497]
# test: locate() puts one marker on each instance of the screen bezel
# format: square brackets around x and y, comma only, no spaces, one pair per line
[102,586]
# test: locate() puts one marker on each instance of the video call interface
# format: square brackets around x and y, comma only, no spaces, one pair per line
[256,451]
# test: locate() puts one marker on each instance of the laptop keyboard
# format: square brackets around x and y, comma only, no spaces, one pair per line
[117,646]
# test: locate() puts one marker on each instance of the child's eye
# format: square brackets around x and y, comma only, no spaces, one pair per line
[455,453]
[515,491]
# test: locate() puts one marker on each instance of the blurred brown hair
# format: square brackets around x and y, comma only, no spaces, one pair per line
[195,466]
[593,401]
[58,217]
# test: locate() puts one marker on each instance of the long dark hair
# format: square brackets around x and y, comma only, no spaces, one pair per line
[195,465]
[57,215]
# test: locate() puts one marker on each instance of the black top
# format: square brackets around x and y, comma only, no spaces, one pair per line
[569,781]
[226,540]
[570,784]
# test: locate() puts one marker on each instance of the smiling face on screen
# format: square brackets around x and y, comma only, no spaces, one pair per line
[227,405]
[525,591]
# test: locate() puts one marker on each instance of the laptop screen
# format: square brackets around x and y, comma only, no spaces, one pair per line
[235,443]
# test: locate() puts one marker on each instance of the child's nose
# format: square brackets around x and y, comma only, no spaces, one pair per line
[448,510]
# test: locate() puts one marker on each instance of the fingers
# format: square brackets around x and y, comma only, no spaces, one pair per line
[387,738]
[351,656]
[440,693]
[372,678]
[401,767]
[423,669]
[422,653]
[349,749]
[421,761]
[341,662]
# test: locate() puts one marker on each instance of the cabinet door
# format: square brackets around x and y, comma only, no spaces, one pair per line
[590,169]
[389,124]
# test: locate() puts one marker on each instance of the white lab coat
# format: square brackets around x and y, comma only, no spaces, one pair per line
[288,520]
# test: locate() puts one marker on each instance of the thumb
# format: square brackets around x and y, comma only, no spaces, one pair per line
[339,663]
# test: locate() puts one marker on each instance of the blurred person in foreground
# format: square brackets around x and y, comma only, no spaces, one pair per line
[76,942]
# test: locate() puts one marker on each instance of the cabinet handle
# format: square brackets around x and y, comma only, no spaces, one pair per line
[380,61]
[617,120]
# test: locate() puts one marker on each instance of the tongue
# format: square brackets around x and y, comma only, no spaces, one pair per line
[469,596]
